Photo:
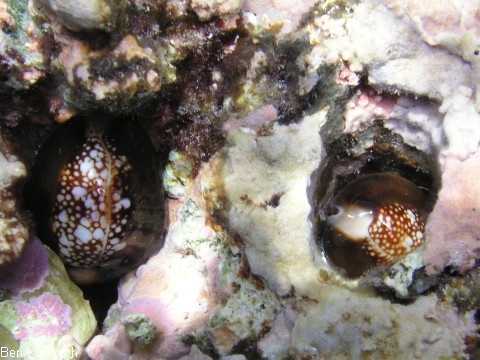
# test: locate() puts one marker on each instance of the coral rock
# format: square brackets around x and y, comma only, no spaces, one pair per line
[363,326]
[207,9]
[13,232]
[126,70]
[21,59]
[82,15]
[265,179]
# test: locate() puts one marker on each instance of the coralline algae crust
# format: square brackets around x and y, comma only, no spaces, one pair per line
[52,321]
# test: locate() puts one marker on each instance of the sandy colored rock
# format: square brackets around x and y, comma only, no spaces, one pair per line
[364,326]
[266,181]
[286,14]
[83,15]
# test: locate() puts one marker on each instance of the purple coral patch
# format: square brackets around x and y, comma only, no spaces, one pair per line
[42,315]
[28,273]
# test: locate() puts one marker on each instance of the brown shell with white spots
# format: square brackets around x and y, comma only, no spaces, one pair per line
[396,230]
[97,197]
[394,210]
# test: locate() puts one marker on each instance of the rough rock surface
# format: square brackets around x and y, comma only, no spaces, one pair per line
[363,322]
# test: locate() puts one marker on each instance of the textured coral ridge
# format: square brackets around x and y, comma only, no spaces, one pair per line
[248,96]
